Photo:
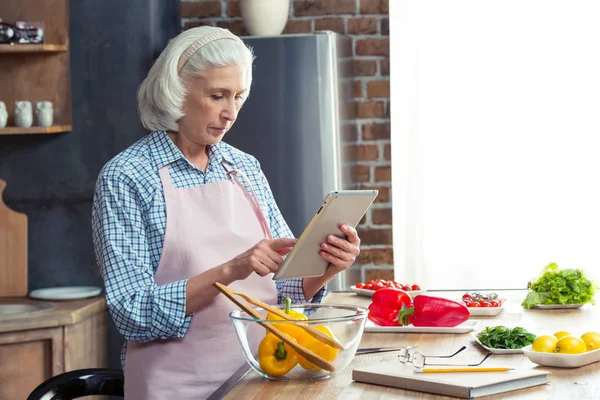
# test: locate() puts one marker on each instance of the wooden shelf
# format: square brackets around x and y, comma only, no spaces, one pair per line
[33,48]
[13,130]
[37,72]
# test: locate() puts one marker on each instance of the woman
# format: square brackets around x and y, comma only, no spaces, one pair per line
[180,210]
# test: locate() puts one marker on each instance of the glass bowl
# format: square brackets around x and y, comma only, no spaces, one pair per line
[345,322]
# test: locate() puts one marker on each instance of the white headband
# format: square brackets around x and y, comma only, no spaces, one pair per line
[203,41]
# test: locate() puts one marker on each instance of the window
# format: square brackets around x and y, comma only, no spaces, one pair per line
[495,124]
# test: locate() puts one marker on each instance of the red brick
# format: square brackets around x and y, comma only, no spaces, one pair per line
[379,273]
[369,109]
[201,9]
[362,152]
[385,26]
[384,67]
[298,26]
[350,132]
[357,90]
[375,236]
[376,131]
[373,47]
[383,174]
[330,24]
[381,216]
[377,256]
[324,7]
[378,89]
[387,152]
[374,7]
[195,24]
[365,67]
[235,26]
[362,26]
[233,9]
[361,173]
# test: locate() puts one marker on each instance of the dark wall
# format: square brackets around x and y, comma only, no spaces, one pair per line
[51,178]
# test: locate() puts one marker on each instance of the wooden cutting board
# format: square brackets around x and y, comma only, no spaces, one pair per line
[13,250]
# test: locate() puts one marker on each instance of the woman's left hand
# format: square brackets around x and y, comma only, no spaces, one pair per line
[341,253]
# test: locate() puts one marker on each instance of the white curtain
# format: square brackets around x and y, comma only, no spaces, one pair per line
[495,140]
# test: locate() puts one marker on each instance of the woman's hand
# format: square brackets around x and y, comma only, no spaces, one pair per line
[341,253]
[265,257]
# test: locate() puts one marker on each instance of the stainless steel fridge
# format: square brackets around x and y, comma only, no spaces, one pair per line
[293,119]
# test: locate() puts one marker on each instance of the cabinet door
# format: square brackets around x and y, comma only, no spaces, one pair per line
[28,358]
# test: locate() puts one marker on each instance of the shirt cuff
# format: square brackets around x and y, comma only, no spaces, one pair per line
[294,289]
[168,314]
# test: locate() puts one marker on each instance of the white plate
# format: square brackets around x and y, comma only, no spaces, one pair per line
[465,327]
[486,311]
[493,350]
[65,293]
[562,360]
[557,306]
[369,293]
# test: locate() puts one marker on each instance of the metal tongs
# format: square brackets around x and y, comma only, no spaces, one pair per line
[303,351]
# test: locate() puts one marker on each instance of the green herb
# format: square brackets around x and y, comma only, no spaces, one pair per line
[501,337]
[560,286]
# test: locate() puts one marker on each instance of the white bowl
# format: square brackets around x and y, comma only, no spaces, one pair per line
[562,360]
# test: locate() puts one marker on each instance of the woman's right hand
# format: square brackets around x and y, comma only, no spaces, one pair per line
[264,258]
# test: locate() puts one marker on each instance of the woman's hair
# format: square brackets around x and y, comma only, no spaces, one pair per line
[162,93]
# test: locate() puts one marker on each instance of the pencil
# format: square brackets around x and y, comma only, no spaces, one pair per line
[436,370]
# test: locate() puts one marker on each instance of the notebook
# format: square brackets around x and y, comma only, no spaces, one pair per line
[468,385]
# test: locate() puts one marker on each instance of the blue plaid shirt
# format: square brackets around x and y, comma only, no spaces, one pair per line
[128,227]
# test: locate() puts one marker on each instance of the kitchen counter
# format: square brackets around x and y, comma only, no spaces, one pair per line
[577,383]
[65,312]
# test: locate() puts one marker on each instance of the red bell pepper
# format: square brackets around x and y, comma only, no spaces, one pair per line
[386,305]
[434,311]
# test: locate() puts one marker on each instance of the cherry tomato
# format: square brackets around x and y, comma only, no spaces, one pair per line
[359,285]
[415,287]
[474,304]
[495,303]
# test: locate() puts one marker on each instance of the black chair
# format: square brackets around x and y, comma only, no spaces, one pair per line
[79,383]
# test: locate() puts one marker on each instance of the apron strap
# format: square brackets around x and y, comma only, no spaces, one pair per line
[165,177]
[250,195]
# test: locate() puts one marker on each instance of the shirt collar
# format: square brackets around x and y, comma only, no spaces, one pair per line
[164,151]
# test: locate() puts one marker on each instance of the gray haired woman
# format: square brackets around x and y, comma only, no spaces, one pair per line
[180,210]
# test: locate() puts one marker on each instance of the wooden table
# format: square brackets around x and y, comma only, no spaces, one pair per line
[578,383]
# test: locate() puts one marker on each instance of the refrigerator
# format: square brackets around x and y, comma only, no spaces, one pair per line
[293,119]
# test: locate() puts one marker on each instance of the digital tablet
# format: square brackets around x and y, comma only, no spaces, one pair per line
[338,207]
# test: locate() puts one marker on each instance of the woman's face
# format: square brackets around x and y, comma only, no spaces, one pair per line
[212,104]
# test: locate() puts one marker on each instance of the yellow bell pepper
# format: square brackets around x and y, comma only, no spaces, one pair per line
[275,357]
[316,346]
[291,329]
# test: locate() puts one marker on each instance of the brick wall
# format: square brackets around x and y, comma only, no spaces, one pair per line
[367,136]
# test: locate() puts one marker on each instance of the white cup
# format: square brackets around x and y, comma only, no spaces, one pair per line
[3,114]
[23,114]
[44,113]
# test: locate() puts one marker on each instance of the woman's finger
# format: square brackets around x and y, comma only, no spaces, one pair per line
[337,252]
[335,261]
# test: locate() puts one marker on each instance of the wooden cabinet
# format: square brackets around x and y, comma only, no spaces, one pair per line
[34,348]
[37,72]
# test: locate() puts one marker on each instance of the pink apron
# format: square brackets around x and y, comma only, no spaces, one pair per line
[206,226]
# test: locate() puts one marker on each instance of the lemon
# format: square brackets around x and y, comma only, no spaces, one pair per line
[561,334]
[544,343]
[591,340]
[570,345]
